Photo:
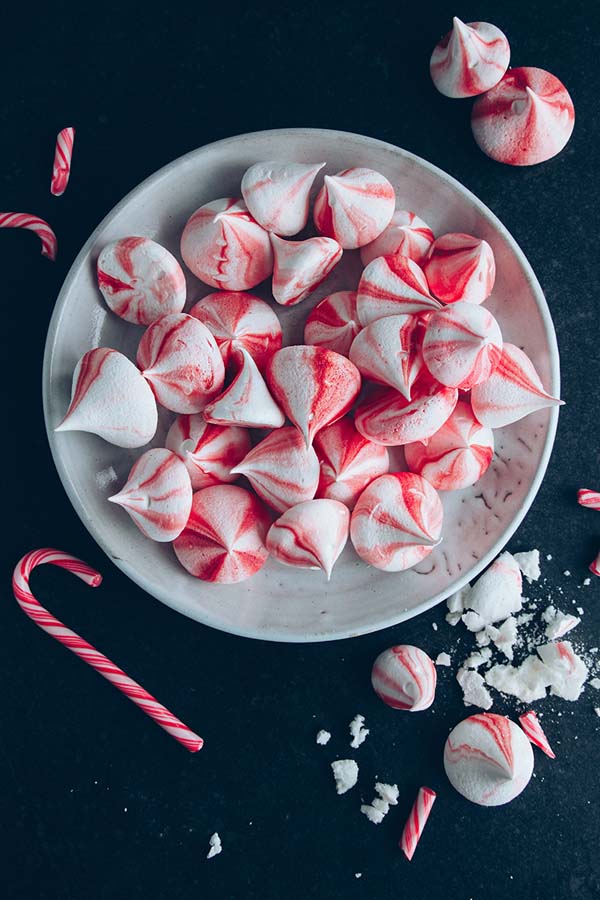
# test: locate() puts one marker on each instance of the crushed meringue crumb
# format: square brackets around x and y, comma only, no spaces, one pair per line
[434,625]
[357,731]
[443,659]
[345,772]
[380,806]
[529,564]
[323,737]
[474,690]
[215,846]
[587,582]
[595,683]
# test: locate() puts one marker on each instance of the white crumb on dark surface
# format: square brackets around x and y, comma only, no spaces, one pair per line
[434,625]
[323,737]
[529,564]
[443,659]
[215,845]
[358,732]
[378,809]
[345,772]
[474,690]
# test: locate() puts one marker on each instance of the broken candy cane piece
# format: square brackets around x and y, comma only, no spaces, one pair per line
[413,829]
[35,224]
[532,728]
[61,170]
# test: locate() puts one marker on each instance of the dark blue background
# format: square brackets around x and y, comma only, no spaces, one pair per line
[97,802]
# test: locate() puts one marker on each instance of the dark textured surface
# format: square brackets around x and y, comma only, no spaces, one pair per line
[98,802]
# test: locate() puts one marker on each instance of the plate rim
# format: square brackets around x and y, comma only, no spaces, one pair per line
[402,615]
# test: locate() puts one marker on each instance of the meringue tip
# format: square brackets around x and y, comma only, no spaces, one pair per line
[69,423]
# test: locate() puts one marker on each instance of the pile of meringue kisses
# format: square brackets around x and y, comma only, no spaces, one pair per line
[411,358]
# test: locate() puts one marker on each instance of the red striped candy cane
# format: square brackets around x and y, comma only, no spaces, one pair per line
[171,724]
[33,223]
[595,566]
[417,820]
[586,497]
[534,731]
[62,161]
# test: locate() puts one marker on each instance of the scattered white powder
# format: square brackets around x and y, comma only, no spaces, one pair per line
[557,622]
[595,683]
[358,874]
[587,582]
[566,573]
[106,477]
[323,737]
[215,846]
[380,806]
[529,564]
[579,610]
[357,732]
[474,690]
[434,625]
[524,618]
[443,659]
[548,556]
[345,772]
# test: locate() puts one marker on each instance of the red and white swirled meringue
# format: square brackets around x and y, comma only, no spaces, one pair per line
[404,677]
[111,398]
[140,280]
[310,535]
[208,451]
[224,539]
[462,345]
[526,119]
[406,235]
[470,59]
[277,194]
[387,417]
[246,401]
[348,461]
[397,521]
[236,319]
[333,323]
[180,359]
[157,495]
[389,351]
[457,455]
[224,247]
[313,386]
[512,391]
[392,285]
[354,207]
[460,267]
[300,266]
[281,469]
[488,759]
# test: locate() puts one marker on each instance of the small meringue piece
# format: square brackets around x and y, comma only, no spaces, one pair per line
[310,535]
[392,285]
[406,235]
[462,345]
[404,677]
[470,59]
[237,319]
[208,451]
[333,323]
[460,267]
[354,207]
[246,401]
[345,772]
[277,194]
[300,266]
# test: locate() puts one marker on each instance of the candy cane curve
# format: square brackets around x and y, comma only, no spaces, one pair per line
[35,224]
[36,612]
[61,169]
[416,821]
[589,498]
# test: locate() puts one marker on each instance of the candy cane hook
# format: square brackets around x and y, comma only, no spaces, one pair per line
[171,724]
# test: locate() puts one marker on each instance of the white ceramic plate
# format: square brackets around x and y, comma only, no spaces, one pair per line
[281,603]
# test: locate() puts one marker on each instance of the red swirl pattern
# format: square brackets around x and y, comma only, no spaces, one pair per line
[397,521]
[460,267]
[236,319]
[534,731]
[419,814]
[61,169]
[392,285]
[354,207]
[333,322]
[310,535]
[179,358]
[209,451]
[348,462]
[313,386]
[406,235]
[470,59]
[35,224]
[404,677]
[224,539]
